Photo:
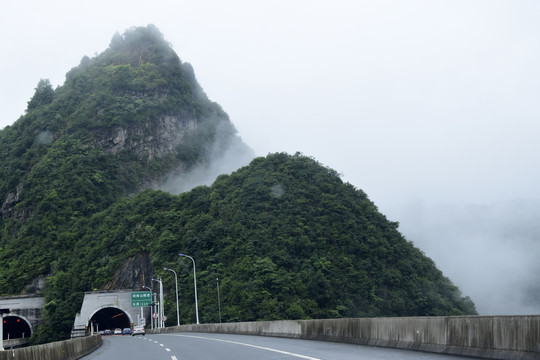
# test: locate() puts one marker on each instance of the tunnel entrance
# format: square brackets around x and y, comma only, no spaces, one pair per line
[15,327]
[109,318]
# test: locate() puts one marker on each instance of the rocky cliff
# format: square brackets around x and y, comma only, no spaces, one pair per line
[136,270]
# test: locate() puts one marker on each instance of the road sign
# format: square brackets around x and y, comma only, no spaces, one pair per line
[155,315]
[141,298]
[164,318]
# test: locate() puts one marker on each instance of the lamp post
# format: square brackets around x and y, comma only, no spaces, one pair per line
[176,283]
[195,282]
[161,303]
[142,312]
[218,300]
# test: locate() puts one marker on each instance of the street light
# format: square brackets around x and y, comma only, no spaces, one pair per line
[218,300]
[161,324]
[176,283]
[153,308]
[143,319]
[195,282]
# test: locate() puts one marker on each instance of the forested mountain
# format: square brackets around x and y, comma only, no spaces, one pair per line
[131,118]
[286,238]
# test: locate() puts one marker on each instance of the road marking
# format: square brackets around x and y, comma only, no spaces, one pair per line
[161,345]
[254,346]
[173,358]
[167,349]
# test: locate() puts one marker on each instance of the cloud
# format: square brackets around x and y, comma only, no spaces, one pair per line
[225,155]
[489,251]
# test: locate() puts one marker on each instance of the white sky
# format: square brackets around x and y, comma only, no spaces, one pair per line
[430,107]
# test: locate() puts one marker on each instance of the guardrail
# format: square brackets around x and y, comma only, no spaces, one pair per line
[489,337]
[71,349]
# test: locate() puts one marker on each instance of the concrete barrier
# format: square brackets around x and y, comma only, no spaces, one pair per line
[489,337]
[69,350]
[15,343]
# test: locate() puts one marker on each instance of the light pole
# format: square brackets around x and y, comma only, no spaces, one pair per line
[195,282]
[218,300]
[176,283]
[160,311]
[153,309]
[142,312]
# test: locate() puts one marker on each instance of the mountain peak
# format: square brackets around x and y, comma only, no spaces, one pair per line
[135,105]
[140,45]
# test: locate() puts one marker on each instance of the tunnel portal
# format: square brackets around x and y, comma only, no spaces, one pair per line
[108,309]
[15,327]
[109,318]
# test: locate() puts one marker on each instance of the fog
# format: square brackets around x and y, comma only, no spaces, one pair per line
[491,251]
[430,107]
[221,158]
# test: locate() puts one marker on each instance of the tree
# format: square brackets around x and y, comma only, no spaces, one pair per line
[44,95]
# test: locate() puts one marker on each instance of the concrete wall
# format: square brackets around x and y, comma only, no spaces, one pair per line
[490,337]
[66,350]
[14,343]
[96,300]
[28,307]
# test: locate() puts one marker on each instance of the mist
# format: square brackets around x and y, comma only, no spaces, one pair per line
[431,100]
[489,251]
[221,158]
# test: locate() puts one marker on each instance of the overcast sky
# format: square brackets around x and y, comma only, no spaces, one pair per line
[430,107]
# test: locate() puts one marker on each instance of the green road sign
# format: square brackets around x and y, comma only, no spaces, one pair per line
[141,298]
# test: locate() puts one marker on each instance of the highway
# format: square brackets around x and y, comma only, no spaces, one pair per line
[197,346]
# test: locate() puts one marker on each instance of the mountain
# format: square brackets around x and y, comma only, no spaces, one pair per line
[131,118]
[284,236]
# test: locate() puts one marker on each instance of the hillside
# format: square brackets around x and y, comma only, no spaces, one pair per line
[130,118]
[286,238]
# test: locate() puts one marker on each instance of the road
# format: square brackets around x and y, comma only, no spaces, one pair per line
[202,346]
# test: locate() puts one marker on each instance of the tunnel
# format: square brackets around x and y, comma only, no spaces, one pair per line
[15,327]
[109,318]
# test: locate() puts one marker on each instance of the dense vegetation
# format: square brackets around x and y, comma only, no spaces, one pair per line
[285,236]
[56,162]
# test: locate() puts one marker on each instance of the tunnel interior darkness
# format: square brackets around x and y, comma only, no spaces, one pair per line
[15,327]
[109,318]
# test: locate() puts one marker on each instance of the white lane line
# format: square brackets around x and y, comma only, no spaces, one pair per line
[167,349]
[173,358]
[161,345]
[255,346]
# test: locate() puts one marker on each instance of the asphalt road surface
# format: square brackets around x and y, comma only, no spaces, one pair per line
[202,346]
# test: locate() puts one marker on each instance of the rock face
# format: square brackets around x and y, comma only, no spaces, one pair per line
[9,203]
[135,272]
[153,139]
[36,286]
